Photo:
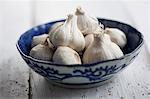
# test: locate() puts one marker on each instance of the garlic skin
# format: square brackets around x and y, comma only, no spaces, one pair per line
[86,24]
[42,51]
[68,34]
[90,37]
[88,40]
[51,46]
[39,39]
[65,55]
[117,36]
[55,26]
[102,48]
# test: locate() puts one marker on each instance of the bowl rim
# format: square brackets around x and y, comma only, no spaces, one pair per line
[81,65]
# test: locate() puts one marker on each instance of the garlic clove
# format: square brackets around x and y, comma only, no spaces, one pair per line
[86,24]
[65,55]
[39,39]
[68,34]
[102,48]
[42,51]
[117,36]
[48,43]
[88,40]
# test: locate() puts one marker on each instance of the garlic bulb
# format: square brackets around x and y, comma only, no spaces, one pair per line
[66,55]
[42,51]
[86,24]
[117,36]
[39,39]
[55,26]
[102,48]
[90,37]
[68,34]
[88,40]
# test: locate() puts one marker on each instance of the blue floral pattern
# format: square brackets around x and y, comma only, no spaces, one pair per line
[98,74]
[93,75]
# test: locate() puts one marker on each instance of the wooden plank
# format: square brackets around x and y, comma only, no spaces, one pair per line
[14,73]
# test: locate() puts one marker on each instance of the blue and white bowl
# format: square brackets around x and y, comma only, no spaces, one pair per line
[81,76]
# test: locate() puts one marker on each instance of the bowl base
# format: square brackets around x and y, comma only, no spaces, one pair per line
[79,86]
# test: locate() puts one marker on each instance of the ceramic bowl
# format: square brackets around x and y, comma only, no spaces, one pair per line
[81,76]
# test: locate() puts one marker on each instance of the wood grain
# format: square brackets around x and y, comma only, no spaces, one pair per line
[14,73]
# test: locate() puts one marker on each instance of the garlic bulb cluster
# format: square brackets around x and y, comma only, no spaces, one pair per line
[80,39]
[42,51]
[86,24]
[117,36]
[66,55]
[102,48]
[68,34]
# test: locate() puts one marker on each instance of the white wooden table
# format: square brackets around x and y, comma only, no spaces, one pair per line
[18,81]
